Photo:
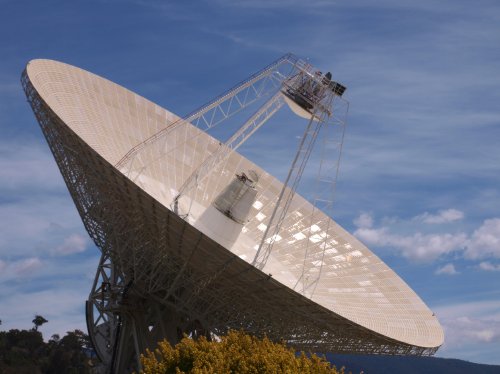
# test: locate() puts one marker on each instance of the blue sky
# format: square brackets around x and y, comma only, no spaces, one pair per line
[420,174]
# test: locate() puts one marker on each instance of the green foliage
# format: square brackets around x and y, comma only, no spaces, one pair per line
[23,351]
[66,354]
[38,321]
[19,350]
[236,352]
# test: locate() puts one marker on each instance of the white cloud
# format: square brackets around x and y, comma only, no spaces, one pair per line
[31,225]
[63,308]
[75,243]
[61,287]
[27,266]
[419,247]
[470,324]
[22,268]
[448,269]
[443,216]
[23,166]
[487,309]
[466,329]
[462,331]
[485,241]
[373,236]
[365,220]
[488,266]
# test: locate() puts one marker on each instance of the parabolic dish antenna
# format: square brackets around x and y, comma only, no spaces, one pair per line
[196,239]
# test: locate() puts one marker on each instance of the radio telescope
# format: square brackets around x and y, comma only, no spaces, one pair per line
[196,239]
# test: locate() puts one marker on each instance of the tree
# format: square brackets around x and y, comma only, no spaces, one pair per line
[38,321]
[55,338]
[25,352]
[67,354]
[20,351]
[236,352]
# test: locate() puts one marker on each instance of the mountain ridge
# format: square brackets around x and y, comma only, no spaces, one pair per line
[379,364]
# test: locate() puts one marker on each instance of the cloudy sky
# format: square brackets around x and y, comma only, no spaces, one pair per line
[420,174]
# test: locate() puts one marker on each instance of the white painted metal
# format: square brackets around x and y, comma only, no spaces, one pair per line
[176,275]
[266,111]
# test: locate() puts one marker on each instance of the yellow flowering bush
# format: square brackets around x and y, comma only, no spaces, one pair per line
[236,352]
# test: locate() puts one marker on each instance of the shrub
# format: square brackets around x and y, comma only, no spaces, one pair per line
[236,352]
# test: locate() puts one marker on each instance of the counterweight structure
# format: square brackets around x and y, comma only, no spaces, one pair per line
[196,239]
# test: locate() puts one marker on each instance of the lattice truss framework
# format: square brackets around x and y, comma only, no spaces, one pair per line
[161,277]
